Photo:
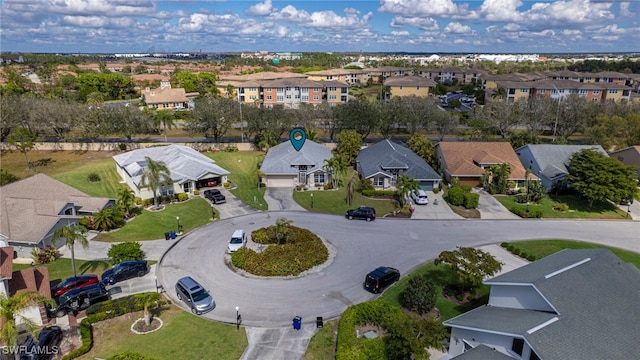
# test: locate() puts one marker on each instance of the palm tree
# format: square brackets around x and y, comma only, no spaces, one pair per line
[148,299]
[108,218]
[164,118]
[71,234]
[156,174]
[405,184]
[282,228]
[337,167]
[126,200]
[11,309]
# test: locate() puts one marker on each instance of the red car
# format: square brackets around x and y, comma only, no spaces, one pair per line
[73,283]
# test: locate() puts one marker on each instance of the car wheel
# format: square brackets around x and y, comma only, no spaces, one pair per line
[350,217]
[141,273]
[368,219]
[194,311]
[61,313]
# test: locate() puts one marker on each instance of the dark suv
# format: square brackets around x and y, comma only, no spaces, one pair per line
[363,213]
[215,196]
[380,278]
[73,283]
[78,299]
[125,270]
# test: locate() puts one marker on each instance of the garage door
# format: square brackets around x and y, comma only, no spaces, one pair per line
[426,185]
[280,181]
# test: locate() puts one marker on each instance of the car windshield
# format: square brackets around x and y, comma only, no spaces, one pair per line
[235,241]
[200,295]
[62,299]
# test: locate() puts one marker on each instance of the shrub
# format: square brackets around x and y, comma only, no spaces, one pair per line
[125,251]
[385,193]
[471,200]
[562,207]
[298,188]
[147,202]
[44,256]
[436,190]
[522,198]
[328,186]
[505,245]
[420,295]
[128,355]
[231,148]
[122,147]
[227,184]
[455,196]
[531,257]
[138,201]
[93,177]
[524,254]
[86,222]
[365,184]
[535,214]
[183,197]
[196,192]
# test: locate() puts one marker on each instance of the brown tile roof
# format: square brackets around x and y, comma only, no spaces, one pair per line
[164,95]
[266,75]
[465,158]
[31,279]
[409,81]
[29,208]
[6,262]
[149,77]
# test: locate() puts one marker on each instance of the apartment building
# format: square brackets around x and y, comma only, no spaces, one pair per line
[410,86]
[348,76]
[292,92]
[450,75]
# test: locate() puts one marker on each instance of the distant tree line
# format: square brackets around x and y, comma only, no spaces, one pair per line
[624,66]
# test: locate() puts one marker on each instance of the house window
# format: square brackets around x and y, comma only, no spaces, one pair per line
[253,89]
[166,191]
[318,178]
[583,92]
[280,90]
[269,97]
[378,181]
[280,98]
[186,186]
[316,89]
[524,90]
[332,89]
[417,87]
[542,91]
[253,97]
[613,91]
[268,89]
[316,97]
[400,87]
[517,346]
[332,97]
[305,98]
[596,91]
[305,90]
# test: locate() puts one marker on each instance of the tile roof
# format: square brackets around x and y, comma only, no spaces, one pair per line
[464,158]
[409,81]
[6,262]
[281,158]
[29,208]
[164,95]
[183,162]
[384,155]
[482,352]
[596,298]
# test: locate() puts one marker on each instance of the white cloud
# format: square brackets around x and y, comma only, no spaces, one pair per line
[260,9]
[457,28]
[419,8]
[625,10]
[563,13]
[512,27]
[501,10]
[327,19]
[400,33]
[420,23]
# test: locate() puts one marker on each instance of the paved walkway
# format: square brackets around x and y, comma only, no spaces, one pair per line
[490,208]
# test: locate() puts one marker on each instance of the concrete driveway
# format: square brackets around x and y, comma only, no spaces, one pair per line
[233,206]
[432,211]
[281,199]
[490,208]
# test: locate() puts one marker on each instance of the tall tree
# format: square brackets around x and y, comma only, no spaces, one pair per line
[71,235]
[598,177]
[359,115]
[405,184]
[422,146]
[155,175]
[213,116]
[470,265]
[126,121]
[13,309]
[336,166]
[23,140]
[349,143]
[390,114]
[502,116]
[417,113]
[126,200]
[496,178]
[165,119]
[443,123]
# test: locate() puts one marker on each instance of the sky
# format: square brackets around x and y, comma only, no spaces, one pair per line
[422,26]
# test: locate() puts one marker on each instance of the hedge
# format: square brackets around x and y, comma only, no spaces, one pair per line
[471,200]
[368,192]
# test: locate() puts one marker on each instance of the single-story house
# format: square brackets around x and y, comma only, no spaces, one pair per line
[629,156]
[283,166]
[384,161]
[574,304]
[33,208]
[467,161]
[188,169]
[550,162]
[29,279]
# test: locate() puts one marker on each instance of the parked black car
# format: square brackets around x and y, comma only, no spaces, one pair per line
[215,196]
[73,283]
[125,270]
[78,299]
[47,346]
[380,278]
[363,213]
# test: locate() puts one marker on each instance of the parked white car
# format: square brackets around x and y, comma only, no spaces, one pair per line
[238,241]
[419,197]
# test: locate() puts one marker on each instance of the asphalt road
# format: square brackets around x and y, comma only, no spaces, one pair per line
[357,247]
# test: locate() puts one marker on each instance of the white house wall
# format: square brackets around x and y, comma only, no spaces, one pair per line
[32,313]
[456,344]
[517,297]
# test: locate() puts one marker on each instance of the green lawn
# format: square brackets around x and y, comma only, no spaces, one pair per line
[151,225]
[105,168]
[61,268]
[542,248]
[183,336]
[334,201]
[322,344]
[243,167]
[578,209]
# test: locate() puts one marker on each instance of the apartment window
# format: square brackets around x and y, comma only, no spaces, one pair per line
[517,345]
[417,87]
[165,106]
[269,97]
[543,91]
[524,90]
[316,97]
[378,181]
[305,90]
[253,89]
[296,96]
[268,89]
[305,98]
[400,87]
[596,91]
[288,96]
[155,106]
[594,100]
[253,97]
[613,91]
[280,98]
[588,78]
[332,97]
[280,90]
[583,92]
[332,89]
[316,89]
[318,178]
[554,91]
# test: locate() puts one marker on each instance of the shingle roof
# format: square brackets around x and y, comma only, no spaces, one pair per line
[384,155]
[183,162]
[482,352]
[281,158]
[459,158]
[553,159]
[30,207]
[596,297]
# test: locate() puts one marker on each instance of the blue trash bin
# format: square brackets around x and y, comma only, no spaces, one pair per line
[297,322]
[173,235]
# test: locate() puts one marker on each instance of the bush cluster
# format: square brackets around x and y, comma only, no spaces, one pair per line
[231,148]
[461,195]
[93,177]
[420,295]
[328,186]
[44,256]
[302,251]
[131,250]
[385,193]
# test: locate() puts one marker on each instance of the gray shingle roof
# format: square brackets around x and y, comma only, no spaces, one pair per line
[482,352]
[281,158]
[384,155]
[597,299]
[184,163]
[498,319]
[553,159]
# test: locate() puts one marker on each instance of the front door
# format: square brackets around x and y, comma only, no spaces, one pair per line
[302,177]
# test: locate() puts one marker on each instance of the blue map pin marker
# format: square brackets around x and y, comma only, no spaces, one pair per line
[297,137]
